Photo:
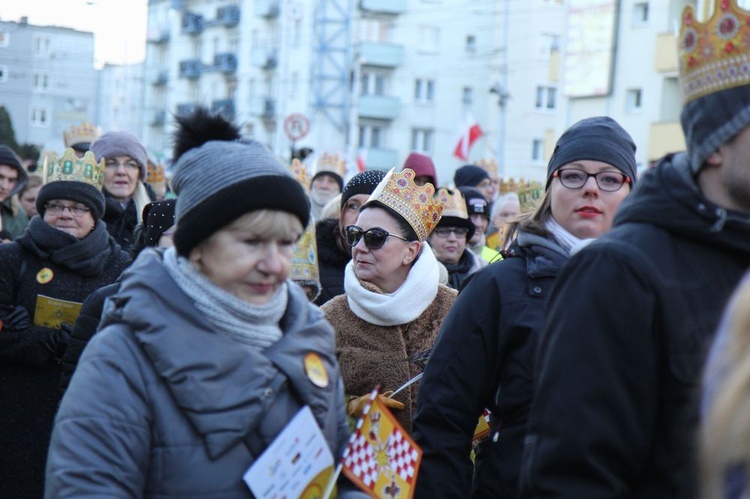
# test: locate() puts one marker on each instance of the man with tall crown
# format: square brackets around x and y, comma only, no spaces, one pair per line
[327,181]
[619,365]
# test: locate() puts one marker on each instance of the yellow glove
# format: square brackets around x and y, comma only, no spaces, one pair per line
[357,405]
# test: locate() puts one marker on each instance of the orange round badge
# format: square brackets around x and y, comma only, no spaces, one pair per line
[45,275]
[315,370]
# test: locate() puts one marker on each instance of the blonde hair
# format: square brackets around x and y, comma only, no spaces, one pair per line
[533,221]
[332,209]
[269,224]
[725,432]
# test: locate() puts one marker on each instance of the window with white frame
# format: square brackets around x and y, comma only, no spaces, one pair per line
[375,30]
[467,96]
[429,37]
[537,150]
[41,45]
[371,135]
[372,83]
[549,43]
[424,90]
[40,82]
[39,116]
[546,97]
[422,140]
[634,100]
[471,43]
[640,13]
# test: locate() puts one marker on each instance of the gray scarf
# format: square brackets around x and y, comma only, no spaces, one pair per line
[254,325]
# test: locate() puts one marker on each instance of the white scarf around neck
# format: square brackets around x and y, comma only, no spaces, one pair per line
[564,238]
[403,305]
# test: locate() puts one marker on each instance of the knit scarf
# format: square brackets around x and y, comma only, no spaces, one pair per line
[403,305]
[85,256]
[564,238]
[253,325]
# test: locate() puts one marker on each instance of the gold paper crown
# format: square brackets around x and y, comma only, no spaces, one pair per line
[154,173]
[490,166]
[415,203]
[70,167]
[714,55]
[76,134]
[454,203]
[529,195]
[305,257]
[331,163]
[299,172]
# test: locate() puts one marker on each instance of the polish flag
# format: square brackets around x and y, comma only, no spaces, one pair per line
[362,160]
[469,132]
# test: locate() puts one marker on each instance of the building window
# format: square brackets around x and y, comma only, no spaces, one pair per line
[467,96]
[3,73]
[372,83]
[297,34]
[40,82]
[546,97]
[549,43]
[39,116]
[41,45]
[537,151]
[375,30]
[634,100]
[429,37]
[421,140]
[371,136]
[471,44]
[424,90]
[295,85]
[640,14]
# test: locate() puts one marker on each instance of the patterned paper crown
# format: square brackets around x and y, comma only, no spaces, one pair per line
[305,257]
[71,167]
[154,173]
[490,166]
[299,172]
[454,203]
[331,163]
[529,195]
[715,55]
[415,203]
[76,134]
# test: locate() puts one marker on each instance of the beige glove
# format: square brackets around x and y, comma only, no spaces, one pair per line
[357,405]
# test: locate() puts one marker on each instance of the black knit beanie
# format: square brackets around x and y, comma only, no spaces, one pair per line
[362,183]
[71,190]
[219,178]
[597,139]
[9,158]
[476,203]
[469,176]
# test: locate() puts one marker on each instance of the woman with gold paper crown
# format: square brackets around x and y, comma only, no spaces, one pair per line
[64,255]
[393,304]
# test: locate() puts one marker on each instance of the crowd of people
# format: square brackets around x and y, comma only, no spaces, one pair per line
[159,329]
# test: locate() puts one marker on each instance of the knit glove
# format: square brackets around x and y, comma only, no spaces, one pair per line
[14,318]
[358,404]
[57,341]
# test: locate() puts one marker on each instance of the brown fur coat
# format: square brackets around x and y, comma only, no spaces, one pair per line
[370,355]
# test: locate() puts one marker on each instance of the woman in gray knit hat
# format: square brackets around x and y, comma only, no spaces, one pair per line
[209,349]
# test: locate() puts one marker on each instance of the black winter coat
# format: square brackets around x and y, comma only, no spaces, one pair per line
[29,370]
[332,260]
[483,359]
[618,372]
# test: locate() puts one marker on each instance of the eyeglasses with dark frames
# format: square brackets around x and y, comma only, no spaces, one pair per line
[59,209]
[608,181]
[374,238]
[444,232]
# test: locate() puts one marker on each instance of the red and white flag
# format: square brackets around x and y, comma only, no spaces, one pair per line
[361,160]
[469,132]
[381,457]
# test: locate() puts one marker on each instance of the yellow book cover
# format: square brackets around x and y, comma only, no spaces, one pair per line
[51,312]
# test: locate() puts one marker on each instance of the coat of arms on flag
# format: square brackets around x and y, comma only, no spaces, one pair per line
[381,457]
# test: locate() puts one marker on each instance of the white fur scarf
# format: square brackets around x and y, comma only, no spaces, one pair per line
[403,305]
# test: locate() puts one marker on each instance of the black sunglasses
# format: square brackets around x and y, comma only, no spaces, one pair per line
[374,238]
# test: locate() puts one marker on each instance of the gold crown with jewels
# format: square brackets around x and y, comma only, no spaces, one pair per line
[453,202]
[490,166]
[413,202]
[299,172]
[70,167]
[77,134]
[331,163]
[714,55]
[305,257]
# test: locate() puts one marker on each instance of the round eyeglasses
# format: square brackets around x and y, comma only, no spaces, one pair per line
[609,181]
[374,238]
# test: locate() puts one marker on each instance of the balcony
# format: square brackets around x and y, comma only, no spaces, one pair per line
[394,7]
[158,36]
[191,69]
[192,24]
[263,107]
[379,107]
[224,107]
[184,109]
[387,55]
[381,159]
[161,79]
[666,53]
[264,58]
[159,118]
[665,137]
[228,16]
[268,9]
[225,63]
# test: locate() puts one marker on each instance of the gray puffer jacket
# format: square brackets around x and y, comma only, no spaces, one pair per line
[163,406]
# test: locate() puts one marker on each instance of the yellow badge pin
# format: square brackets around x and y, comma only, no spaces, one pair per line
[315,370]
[45,275]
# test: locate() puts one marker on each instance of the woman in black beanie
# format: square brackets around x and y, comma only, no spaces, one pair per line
[64,255]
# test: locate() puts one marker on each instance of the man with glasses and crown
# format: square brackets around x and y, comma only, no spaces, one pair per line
[619,366]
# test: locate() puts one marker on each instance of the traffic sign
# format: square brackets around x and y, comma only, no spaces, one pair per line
[296,126]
